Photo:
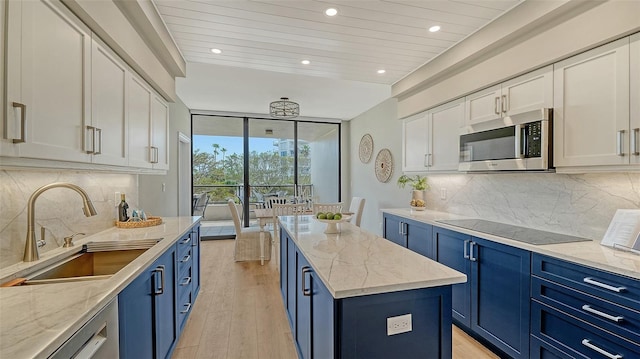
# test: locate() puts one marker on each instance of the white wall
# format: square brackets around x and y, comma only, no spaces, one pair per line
[580,205]
[152,199]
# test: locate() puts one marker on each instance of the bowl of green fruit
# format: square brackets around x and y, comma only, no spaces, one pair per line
[332,219]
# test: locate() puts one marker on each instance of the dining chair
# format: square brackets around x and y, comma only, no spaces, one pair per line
[327,207]
[283,210]
[200,204]
[270,201]
[248,245]
[356,207]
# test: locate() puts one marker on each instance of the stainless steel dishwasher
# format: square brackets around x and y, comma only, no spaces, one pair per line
[98,338]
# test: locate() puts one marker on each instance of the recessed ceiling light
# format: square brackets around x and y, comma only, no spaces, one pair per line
[381,71]
[434,28]
[331,12]
[216,51]
[305,62]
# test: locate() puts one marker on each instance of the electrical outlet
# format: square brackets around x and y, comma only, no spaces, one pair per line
[398,325]
[116,199]
[164,187]
[443,193]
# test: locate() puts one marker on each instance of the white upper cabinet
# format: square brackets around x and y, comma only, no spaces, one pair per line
[525,93]
[591,107]
[107,136]
[159,134]
[48,72]
[431,139]
[415,143]
[139,110]
[634,71]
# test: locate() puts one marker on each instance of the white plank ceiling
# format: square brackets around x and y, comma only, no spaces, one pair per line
[364,37]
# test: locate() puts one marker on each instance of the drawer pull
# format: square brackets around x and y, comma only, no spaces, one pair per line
[186,240]
[188,305]
[186,258]
[587,343]
[587,308]
[465,249]
[605,286]
[186,281]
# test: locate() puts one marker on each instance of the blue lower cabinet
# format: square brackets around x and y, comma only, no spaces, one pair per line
[394,229]
[302,333]
[147,311]
[291,283]
[494,302]
[414,235]
[283,266]
[195,243]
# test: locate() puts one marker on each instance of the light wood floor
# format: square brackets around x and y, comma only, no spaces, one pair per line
[239,313]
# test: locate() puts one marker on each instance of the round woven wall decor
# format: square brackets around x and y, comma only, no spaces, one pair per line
[366,148]
[384,165]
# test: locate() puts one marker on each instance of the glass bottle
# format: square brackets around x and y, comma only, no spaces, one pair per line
[123,208]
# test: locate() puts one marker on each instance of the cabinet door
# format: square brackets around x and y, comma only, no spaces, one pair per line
[322,320]
[483,106]
[52,67]
[528,92]
[135,317]
[195,243]
[164,310]
[107,138]
[500,295]
[303,306]
[139,110]
[292,265]
[393,228]
[159,133]
[7,147]
[283,266]
[591,107]
[444,136]
[634,98]
[420,239]
[414,143]
[450,251]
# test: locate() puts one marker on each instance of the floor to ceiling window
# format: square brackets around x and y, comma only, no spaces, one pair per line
[252,159]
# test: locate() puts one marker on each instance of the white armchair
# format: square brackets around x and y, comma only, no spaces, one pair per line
[249,245]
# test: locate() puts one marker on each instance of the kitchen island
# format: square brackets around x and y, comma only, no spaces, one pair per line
[356,295]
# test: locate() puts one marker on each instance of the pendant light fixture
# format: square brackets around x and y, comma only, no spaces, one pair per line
[284,108]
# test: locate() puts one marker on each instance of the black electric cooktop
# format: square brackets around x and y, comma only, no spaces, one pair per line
[521,234]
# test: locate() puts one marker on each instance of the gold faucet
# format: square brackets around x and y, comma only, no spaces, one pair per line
[31,246]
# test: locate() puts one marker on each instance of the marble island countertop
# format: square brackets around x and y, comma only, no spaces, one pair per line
[37,319]
[589,253]
[355,262]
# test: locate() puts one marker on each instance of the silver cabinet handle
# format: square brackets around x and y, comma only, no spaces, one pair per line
[186,281]
[472,256]
[465,249]
[158,291]
[306,292]
[426,160]
[98,132]
[185,258]
[635,147]
[23,121]
[401,228]
[617,319]
[603,285]
[520,135]
[504,103]
[186,240]
[188,305]
[620,143]
[496,107]
[587,343]
[93,140]
[153,154]
[429,160]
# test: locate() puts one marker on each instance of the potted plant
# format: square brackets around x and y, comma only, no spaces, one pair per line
[419,185]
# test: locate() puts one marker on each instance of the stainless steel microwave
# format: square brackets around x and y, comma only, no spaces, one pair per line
[515,143]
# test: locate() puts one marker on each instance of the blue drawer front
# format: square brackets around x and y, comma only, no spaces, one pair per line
[184,260]
[185,282]
[569,333]
[589,280]
[603,314]
[185,304]
[543,350]
[184,244]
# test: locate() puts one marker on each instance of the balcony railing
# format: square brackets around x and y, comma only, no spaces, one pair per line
[222,193]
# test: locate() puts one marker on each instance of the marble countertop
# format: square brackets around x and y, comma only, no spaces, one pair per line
[355,262]
[36,319]
[589,253]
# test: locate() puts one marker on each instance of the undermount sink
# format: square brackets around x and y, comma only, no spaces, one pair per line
[96,260]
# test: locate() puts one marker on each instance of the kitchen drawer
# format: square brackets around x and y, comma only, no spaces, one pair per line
[185,281]
[185,303]
[184,260]
[569,333]
[539,349]
[615,288]
[601,313]
[184,244]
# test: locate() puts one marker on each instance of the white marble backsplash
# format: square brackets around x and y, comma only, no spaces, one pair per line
[581,205]
[59,210]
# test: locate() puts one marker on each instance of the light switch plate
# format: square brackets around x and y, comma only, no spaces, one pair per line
[116,199]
